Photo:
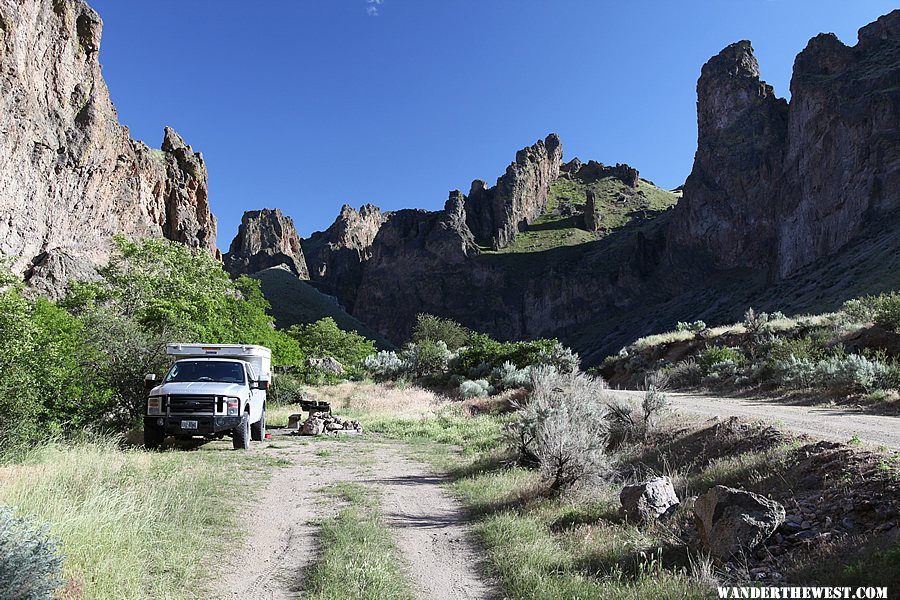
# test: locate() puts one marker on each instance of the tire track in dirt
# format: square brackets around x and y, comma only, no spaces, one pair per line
[428,525]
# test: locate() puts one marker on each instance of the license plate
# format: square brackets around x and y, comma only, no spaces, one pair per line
[189,424]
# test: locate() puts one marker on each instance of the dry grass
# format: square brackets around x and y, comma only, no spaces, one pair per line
[504,402]
[381,398]
[133,524]
[369,400]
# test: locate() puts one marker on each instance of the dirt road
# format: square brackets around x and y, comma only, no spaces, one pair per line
[428,526]
[834,423]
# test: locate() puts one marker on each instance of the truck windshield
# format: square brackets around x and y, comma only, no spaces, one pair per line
[206,370]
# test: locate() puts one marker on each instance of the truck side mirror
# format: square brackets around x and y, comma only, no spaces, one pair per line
[150,381]
[260,384]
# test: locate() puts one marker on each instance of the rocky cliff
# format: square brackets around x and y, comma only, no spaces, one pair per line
[496,215]
[70,176]
[778,185]
[336,256]
[266,238]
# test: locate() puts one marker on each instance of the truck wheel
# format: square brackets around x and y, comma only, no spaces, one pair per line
[258,429]
[241,435]
[153,437]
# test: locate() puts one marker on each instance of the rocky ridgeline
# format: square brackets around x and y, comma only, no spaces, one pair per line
[266,238]
[496,215]
[70,176]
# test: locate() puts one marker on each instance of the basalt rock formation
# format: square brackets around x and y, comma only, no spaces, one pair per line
[779,185]
[335,256]
[496,215]
[70,176]
[266,238]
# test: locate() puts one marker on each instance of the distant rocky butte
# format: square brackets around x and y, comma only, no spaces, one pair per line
[266,238]
[70,176]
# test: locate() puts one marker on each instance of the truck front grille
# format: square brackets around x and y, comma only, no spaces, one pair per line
[190,405]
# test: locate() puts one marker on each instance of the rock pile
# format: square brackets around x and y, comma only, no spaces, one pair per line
[325,423]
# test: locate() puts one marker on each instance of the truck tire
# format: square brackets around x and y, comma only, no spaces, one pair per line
[153,437]
[258,429]
[241,435]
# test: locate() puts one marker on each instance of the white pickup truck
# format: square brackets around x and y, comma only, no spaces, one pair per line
[212,390]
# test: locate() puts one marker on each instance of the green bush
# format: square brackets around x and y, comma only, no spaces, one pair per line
[30,562]
[563,428]
[427,358]
[883,310]
[686,373]
[169,289]
[325,339]
[287,388]
[714,355]
[436,329]
[693,327]
[508,377]
[486,354]
[805,347]
[384,365]
[851,373]
[47,372]
[478,388]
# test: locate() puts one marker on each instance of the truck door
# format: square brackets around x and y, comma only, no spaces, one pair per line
[257,397]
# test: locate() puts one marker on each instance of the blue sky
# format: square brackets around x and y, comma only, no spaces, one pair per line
[309,104]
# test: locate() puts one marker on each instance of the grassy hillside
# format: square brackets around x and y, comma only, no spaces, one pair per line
[562,223]
[295,301]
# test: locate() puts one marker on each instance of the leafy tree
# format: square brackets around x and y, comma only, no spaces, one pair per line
[430,328]
[170,290]
[324,338]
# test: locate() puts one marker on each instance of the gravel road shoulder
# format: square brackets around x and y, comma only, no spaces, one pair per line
[833,423]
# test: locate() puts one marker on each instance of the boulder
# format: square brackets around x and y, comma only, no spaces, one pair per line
[649,500]
[327,365]
[314,425]
[733,521]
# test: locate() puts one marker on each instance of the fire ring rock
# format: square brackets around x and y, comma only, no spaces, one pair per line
[649,500]
[731,521]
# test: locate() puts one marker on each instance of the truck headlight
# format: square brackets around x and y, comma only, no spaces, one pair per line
[233,405]
[154,405]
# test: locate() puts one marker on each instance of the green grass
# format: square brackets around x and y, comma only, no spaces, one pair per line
[450,426]
[135,524]
[555,228]
[546,547]
[357,558]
